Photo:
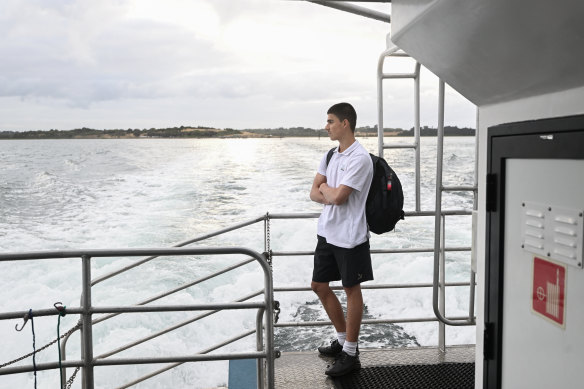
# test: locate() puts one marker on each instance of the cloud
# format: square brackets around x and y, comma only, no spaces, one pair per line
[262,63]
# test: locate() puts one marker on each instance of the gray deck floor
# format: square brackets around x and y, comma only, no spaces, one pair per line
[305,370]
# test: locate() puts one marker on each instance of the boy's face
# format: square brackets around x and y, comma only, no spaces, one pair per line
[335,127]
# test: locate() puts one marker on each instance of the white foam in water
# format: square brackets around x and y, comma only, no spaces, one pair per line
[71,194]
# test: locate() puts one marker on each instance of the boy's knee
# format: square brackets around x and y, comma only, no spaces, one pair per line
[353,290]
[319,287]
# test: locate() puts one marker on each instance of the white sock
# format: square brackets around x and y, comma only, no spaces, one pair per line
[350,348]
[341,336]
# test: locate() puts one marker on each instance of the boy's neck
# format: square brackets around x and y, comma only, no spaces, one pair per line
[346,142]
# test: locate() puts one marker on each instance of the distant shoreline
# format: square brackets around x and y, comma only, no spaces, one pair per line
[207,132]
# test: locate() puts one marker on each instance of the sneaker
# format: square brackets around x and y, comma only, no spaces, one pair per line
[333,350]
[344,364]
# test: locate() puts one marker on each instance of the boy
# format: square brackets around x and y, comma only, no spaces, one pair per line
[342,251]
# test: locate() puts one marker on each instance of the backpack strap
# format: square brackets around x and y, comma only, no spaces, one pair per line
[330,155]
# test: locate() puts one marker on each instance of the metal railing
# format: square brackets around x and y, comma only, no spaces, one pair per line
[212,309]
[394,51]
[438,295]
[86,310]
[439,276]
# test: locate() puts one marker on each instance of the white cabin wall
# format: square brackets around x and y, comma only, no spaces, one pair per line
[557,104]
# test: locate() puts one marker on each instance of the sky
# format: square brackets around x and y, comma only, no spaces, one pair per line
[242,64]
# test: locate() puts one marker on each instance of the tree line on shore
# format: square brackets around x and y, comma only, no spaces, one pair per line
[210,132]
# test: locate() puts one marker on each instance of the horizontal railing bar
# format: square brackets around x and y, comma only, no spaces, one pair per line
[136,309]
[134,361]
[40,366]
[378,286]
[355,9]
[373,251]
[208,350]
[175,308]
[274,216]
[169,251]
[452,212]
[390,76]
[365,321]
[398,54]
[172,328]
[459,188]
[406,146]
[407,213]
[187,358]
[215,307]
[414,250]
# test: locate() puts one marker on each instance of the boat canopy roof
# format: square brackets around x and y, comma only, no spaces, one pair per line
[500,52]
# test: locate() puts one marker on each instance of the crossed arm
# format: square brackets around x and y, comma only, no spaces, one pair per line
[324,194]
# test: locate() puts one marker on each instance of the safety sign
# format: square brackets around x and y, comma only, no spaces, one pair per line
[549,290]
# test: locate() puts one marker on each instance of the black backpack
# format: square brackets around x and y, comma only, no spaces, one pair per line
[385,201]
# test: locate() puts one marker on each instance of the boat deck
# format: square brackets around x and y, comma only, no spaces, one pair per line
[306,369]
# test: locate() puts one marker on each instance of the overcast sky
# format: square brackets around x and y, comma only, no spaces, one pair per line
[108,64]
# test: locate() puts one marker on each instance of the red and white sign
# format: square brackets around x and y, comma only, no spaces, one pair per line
[549,290]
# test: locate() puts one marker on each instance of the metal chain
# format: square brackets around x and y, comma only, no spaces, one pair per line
[276,311]
[268,243]
[268,253]
[44,347]
[70,380]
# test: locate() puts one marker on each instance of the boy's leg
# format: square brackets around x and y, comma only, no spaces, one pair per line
[325,270]
[348,359]
[331,305]
[354,312]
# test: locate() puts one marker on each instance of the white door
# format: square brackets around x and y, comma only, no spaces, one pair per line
[538,352]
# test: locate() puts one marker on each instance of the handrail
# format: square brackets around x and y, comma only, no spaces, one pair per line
[439,245]
[393,50]
[355,9]
[136,361]
[376,286]
[86,310]
[439,276]
[364,321]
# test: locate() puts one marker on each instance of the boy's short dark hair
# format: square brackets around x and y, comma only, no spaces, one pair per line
[344,111]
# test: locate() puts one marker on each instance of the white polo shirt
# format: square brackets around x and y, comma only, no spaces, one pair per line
[345,225]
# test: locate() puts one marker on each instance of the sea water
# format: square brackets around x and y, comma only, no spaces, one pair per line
[142,193]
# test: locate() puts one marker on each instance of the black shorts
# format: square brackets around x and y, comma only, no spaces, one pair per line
[333,263]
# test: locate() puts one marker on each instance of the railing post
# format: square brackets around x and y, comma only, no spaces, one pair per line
[86,330]
[266,232]
[269,319]
[261,371]
[63,358]
[442,287]
[417,133]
